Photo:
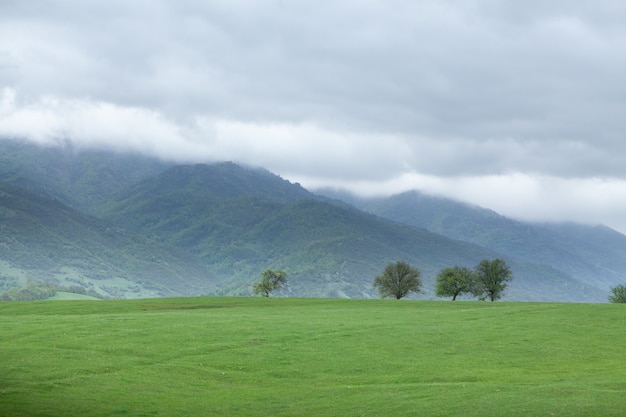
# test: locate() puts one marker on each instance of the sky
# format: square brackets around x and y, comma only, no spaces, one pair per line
[519,107]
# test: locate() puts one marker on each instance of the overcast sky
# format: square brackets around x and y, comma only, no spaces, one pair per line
[518,106]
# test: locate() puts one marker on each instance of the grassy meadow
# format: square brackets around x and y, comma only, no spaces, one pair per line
[235,356]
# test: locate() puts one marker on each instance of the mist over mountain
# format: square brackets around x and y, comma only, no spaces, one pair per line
[79,178]
[589,253]
[130,226]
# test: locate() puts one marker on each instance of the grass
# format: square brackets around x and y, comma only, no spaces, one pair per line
[311,357]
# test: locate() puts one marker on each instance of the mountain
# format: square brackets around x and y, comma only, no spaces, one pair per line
[594,255]
[43,239]
[242,220]
[80,179]
[128,226]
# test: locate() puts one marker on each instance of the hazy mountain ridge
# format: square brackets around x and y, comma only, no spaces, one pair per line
[591,254]
[79,178]
[43,239]
[260,220]
[198,229]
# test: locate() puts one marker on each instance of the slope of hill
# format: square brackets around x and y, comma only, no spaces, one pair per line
[595,255]
[136,227]
[81,179]
[43,239]
[241,220]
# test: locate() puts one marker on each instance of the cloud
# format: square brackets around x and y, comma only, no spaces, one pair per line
[51,121]
[303,149]
[463,97]
[524,197]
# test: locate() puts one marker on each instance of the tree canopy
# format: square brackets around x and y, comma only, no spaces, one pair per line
[398,280]
[454,281]
[491,279]
[618,294]
[271,279]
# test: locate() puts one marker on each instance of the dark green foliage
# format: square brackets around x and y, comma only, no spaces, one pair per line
[79,289]
[618,294]
[491,279]
[454,281]
[32,291]
[44,290]
[398,280]
[271,280]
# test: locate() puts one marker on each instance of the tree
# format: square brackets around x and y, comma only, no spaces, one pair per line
[398,280]
[452,282]
[271,279]
[618,294]
[491,279]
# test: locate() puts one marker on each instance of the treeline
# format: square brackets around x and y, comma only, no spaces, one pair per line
[42,291]
[487,281]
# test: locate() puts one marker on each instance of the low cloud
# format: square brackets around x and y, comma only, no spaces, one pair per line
[474,100]
[54,121]
[592,201]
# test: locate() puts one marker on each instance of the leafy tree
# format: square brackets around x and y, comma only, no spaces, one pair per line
[452,282]
[491,279]
[398,280]
[618,294]
[32,291]
[271,279]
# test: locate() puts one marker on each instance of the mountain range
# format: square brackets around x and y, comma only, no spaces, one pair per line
[129,226]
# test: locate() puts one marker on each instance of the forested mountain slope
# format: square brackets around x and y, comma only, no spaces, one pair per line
[242,220]
[43,239]
[595,255]
[82,179]
[134,227]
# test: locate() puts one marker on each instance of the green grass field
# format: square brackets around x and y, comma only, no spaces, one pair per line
[311,357]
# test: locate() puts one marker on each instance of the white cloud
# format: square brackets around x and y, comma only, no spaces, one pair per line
[51,121]
[523,197]
[306,149]
[469,99]
[538,198]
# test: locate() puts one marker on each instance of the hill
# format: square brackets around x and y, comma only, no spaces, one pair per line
[594,255]
[43,239]
[81,179]
[242,220]
[133,227]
